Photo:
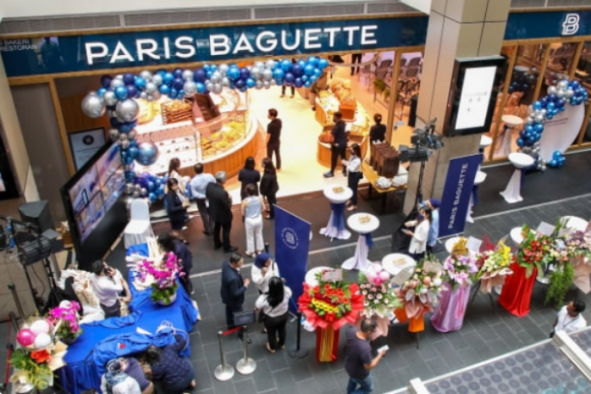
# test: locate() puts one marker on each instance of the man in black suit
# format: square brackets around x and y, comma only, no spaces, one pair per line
[233,289]
[220,207]
[274,137]
[339,143]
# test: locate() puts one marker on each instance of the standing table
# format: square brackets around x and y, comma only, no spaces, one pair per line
[365,242]
[395,263]
[336,223]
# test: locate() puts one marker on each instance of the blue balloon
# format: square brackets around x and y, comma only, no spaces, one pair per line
[106,81]
[206,67]
[101,92]
[178,73]
[200,87]
[147,153]
[121,93]
[213,67]
[132,143]
[181,94]
[322,63]
[128,78]
[129,176]
[151,186]
[289,78]
[161,72]
[575,84]
[199,75]
[132,91]
[244,73]
[537,105]
[298,83]
[126,127]
[286,65]
[114,123]
[297,70]
[302,63]
[168,78]
[304,78]
[250,83]
[278,74]
[178,83]
[240,83]
[140,83]
[520,142]
[153,197]
[233,73]
[309,69]
[539,127]
[133,151]
[317,72]
[313,60]
[550,116]
[551,105]
[313,78]
[164,89]
[243,89]
[173,93]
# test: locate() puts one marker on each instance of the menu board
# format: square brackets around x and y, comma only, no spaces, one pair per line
[96,192]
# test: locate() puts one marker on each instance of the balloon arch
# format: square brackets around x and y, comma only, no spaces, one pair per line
[117,98]
[559,94]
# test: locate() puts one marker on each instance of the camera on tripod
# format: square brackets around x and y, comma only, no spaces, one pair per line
[424,142]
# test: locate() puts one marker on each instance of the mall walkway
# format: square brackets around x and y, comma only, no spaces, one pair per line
[487,332]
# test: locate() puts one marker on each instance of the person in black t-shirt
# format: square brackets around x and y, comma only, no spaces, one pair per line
[274,137]
[378,130]
[339,144]
[359,361]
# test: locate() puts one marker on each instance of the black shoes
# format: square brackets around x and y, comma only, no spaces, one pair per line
[232,249]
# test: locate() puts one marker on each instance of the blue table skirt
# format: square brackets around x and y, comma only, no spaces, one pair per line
[114,337]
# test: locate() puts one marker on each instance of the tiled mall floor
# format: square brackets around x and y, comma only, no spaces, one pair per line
[487,332]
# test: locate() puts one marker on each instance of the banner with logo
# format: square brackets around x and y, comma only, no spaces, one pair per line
[109,51]
[456,194]
[547,24]
[292,244]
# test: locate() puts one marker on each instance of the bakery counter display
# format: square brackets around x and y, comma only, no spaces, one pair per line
[223,135]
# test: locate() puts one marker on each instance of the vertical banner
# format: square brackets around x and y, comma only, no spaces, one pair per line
[456,194]
[292,244]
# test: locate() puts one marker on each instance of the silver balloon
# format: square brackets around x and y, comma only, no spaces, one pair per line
[530,120]
[188,75]
[117,82]
[270,64]
[129,188]
[119,76]
[190,88]
[563,84]
[150,88]
[255,73]
[125,144]
[561,93]
[543,112]
[216,77]
[217,88]
[225,82]
[109,98]
[132,134]
[539,118]
[267,74]
[128,110]
[209,85]
[259,84]
[150,98]
[136,194]
[93,106]
[146,75]
[143,95]
[259,65]
[552,90]
[143,192]
[569,93]
[223,69]
[273,82]
[114,134]
[137,188]
[157,79]
[267,84]
[123,137]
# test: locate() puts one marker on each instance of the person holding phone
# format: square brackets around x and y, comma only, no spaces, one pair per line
[108,284]
[420,235]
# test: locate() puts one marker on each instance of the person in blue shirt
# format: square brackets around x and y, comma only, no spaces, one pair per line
[174,371]
[433,204]
[197,186]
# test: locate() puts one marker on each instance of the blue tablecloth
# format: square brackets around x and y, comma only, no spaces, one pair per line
[115,337]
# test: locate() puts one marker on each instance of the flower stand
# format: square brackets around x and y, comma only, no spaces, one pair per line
[449,313]
[516,295]
[327,344]
[416,324]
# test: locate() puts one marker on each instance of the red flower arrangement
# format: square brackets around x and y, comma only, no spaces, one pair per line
[41,356]
[331,304]
[534,251]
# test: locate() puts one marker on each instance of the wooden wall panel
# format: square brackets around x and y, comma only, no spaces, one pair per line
[75,119]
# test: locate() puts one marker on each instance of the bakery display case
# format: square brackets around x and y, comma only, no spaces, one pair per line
[221,143]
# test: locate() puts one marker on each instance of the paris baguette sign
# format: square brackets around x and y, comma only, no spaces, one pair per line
[61,54]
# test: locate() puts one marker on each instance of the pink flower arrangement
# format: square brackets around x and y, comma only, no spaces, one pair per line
[165,277]
[460,270]
[65,318]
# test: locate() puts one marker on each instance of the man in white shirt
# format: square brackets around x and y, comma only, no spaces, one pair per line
[198,185]
[107,284]
[569,318]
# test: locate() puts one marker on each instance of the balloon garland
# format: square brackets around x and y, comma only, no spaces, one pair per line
[559,94]
[117,98]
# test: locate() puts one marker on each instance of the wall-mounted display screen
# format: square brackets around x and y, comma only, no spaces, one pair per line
[474,88]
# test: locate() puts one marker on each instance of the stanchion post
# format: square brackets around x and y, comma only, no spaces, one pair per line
[17,301]
[246,366]
[224,371]
[297,352]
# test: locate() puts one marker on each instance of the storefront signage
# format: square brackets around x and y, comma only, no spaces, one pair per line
[525,25]
[456,194]
[28,56]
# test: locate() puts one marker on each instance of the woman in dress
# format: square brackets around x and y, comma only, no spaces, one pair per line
[252,213]
[248,175]
[262,271]
[176,205]
[274,305]
[354,174]
[269,186]
[168,366]
[418,242]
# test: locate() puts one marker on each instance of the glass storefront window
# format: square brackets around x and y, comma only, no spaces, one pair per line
[583,75]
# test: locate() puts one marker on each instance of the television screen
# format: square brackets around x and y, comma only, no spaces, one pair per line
[94,204]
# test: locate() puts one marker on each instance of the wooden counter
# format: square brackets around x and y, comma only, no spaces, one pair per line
[323,152]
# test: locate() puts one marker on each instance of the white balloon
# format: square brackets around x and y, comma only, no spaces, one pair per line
[270,64]
[267,75]
[150,88]
[109,98]
[42,341]
[119,76]
[216,77]
[125,144]
[552,90]
[93,106]
[128,110]
[267,84]
[146,75]
[150,97]
[562,84]
[225,82]
[117,82]
[188,75]
[40,327]
[569,93]
[223,69]
[190,88]
[143,95]
[157,79]
[255,73]
[259,65]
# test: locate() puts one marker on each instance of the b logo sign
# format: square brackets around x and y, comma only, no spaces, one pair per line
[570,25]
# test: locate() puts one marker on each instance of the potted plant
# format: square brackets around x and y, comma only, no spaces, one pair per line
[65,319]
[164,275]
